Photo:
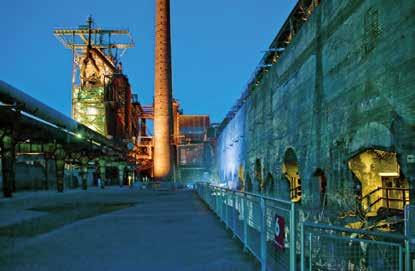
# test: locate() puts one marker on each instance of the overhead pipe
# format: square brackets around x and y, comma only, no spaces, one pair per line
[13,96]
[10,95]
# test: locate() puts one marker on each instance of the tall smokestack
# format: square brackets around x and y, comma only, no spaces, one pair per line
[162,92]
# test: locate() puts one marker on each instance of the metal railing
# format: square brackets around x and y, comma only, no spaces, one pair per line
[410,234]
[325,247]
[266,226]
[410,223]
[295,193]
[400,195]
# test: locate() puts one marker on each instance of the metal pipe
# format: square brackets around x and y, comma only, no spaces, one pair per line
[34,107]
[28,104]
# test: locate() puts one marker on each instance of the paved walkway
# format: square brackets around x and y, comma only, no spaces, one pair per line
[162,231]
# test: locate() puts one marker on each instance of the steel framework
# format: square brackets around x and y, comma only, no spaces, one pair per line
[96,54]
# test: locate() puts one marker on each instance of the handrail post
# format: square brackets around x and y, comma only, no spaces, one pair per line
[245,220]
[302,247]
[400,259]
[369,207]
[407,237]
[207,195]
[221,205]
[387,198]
[263,242]
[292,239]
[217,202]
[310,260]
[225,204]
[234,213]
[407,255]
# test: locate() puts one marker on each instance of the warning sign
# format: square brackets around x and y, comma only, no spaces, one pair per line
[279,231]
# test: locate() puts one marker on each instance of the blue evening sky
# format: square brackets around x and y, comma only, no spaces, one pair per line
[216,45]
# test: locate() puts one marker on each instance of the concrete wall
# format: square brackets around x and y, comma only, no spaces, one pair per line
[230,152]
[337,89]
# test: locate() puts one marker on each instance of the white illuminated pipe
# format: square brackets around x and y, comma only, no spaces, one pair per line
[13,96]
[28,104]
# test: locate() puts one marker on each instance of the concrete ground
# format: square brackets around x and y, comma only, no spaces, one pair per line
[115,229]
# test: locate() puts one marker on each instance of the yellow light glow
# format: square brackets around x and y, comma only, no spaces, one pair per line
[91,111]
[376,170]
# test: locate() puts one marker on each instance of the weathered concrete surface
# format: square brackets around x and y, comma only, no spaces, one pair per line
[343,85]
[163,231]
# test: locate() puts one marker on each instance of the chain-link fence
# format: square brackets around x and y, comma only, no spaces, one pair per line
[325,247]
[265,226]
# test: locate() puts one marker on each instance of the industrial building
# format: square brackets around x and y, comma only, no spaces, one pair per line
[103,102]
[312,169]
[327,119]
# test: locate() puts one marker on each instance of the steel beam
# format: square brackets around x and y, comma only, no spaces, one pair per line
[121,169]
[84,171]
[60,166]
[102,171]
[8,157]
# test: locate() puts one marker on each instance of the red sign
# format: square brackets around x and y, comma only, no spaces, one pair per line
[279,232]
